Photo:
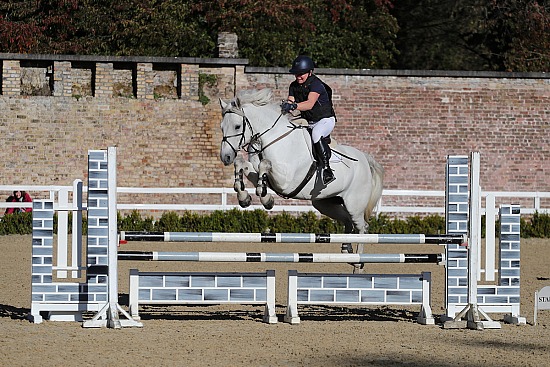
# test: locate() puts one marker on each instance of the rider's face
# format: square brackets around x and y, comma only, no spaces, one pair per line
[301,78]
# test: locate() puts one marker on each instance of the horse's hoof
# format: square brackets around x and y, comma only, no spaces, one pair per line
[346,248]
[269,204]
[358,268]
[243,196]
[246,202]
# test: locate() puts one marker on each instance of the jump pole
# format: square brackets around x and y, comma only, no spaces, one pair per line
[442,239]
[280,257]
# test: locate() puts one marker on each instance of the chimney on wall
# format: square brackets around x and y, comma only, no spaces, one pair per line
[227,45]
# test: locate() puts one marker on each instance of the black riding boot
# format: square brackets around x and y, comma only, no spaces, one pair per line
[323,152]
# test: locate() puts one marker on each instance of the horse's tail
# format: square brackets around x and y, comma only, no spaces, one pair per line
[377,172]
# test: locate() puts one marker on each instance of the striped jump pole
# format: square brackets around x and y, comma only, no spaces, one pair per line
[294,237]
[279,257]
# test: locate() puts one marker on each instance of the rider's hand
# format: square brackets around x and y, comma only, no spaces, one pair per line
[286,107]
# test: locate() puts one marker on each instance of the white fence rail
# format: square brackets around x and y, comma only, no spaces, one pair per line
[224,199]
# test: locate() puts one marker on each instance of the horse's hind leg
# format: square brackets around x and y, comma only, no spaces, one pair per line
[356,211]
[334,208]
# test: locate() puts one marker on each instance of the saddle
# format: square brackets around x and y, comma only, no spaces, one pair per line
[303,122]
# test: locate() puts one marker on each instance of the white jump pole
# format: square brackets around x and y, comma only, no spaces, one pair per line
[403,239]
[281,257]
[77,228]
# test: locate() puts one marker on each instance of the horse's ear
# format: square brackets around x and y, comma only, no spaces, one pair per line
[223,105]
[237,102]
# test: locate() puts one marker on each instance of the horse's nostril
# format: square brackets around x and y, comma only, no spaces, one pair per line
[226,159]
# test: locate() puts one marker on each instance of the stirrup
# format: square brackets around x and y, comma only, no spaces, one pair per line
[328,176]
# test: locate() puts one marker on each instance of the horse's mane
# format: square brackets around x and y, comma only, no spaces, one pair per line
[256,97]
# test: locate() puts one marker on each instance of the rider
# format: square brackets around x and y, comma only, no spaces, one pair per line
[313,98]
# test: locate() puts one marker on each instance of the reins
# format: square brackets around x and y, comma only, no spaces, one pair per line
[256,138]
[251,148]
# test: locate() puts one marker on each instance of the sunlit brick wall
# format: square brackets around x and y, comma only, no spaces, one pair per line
[166,137]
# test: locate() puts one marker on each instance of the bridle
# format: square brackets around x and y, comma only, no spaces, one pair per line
[246,122]
[255,137]
[251,146]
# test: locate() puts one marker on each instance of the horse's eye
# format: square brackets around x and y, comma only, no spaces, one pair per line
[237,127]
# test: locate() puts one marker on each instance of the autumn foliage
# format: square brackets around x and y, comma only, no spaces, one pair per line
[505,35]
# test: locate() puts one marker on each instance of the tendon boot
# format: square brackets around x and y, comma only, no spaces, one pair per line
[323,154]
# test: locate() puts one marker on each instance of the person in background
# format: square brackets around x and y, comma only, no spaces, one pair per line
[19,196]
[313,98]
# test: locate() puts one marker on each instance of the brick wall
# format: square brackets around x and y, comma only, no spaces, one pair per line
[411,123]
[170,139]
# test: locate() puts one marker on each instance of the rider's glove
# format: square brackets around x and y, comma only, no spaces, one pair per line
[286,107]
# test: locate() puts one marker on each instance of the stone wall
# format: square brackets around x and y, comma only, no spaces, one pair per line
[165,121]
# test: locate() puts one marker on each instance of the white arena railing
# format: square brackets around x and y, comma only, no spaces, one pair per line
[224,199]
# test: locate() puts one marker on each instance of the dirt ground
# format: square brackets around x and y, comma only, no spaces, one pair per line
[235,335]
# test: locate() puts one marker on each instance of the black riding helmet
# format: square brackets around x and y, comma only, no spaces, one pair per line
[302,65]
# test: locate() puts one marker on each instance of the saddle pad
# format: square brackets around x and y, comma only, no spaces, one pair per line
[335,157]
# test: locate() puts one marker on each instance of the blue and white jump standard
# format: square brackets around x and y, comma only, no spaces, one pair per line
[99,293]
[467,303]
[66,301]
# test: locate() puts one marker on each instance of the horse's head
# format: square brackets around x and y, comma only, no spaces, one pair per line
[236,127]
[234,130]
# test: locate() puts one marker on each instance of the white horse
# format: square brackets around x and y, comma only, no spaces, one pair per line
[280,157]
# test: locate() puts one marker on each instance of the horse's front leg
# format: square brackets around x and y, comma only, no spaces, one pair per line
[266,198]
[243,168]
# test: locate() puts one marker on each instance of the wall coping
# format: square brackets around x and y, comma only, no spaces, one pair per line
[408,73]
[275,70]
[124,59]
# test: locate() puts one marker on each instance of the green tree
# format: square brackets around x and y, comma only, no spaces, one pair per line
[500,35]
[504,35]
[337,33]
[438,35]
[518,34]
[265,28]
[145,28]
[352,34]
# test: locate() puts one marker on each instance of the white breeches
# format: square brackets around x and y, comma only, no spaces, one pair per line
[322,128]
